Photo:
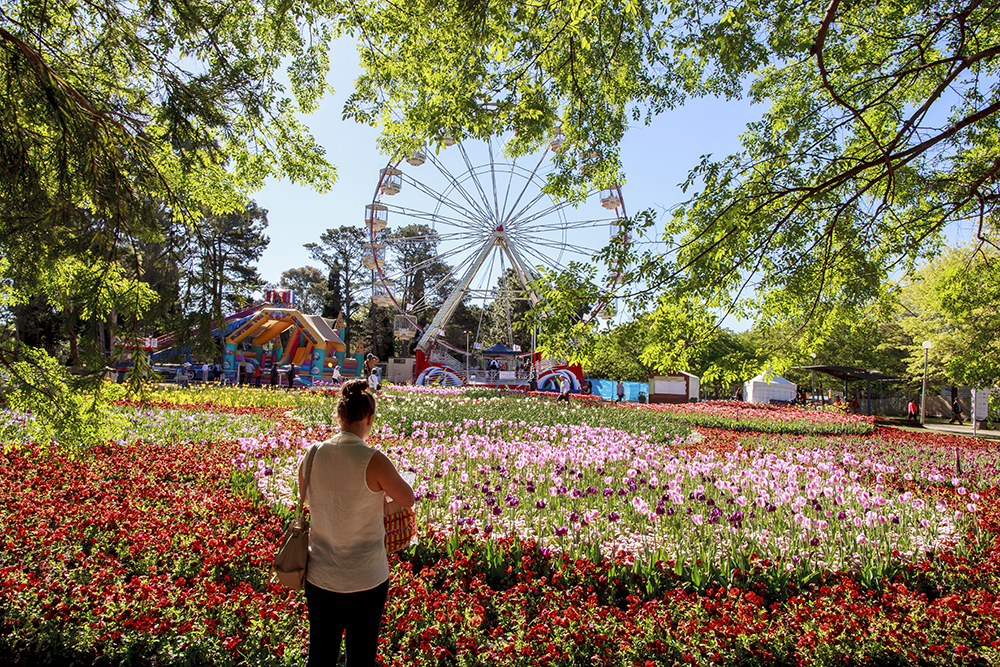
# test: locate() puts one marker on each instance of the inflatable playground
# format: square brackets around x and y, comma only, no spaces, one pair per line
[314,346]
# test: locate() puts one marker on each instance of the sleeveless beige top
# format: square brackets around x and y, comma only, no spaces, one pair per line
[347,534]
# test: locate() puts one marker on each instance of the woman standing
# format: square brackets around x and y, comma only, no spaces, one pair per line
[348,576]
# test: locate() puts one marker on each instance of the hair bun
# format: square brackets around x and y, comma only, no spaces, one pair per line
[354,387]
[355,402]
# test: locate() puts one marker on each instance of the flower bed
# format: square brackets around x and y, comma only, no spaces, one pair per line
[588,491]
[137,552]
[740,416]
[154,551]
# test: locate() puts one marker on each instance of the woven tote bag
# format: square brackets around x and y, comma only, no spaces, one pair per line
[400,526]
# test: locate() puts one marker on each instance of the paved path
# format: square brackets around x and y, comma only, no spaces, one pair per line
[964,429]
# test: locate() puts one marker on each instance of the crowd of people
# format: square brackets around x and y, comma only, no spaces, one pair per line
[251,373]
[248,373]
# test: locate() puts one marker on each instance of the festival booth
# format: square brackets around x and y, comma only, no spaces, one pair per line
[762,390]
[678,387]
[505,358]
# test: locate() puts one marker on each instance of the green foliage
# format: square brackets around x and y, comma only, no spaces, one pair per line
[524,66]
[563,314]
[676,336]
[310,288]
[125,129]
[341,250]
[879,129]
[968,291]
[36,385]
[617,354]
[922,320]
[225,253]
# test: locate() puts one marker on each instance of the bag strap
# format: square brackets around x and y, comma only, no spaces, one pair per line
[305,481]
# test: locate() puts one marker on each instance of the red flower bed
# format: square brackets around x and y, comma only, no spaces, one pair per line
[137,552]
[449,611]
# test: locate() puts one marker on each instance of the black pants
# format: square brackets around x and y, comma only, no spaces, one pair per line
[330,614]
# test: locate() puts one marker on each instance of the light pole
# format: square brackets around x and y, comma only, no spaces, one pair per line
[923,397]
[813,396]
[466,356]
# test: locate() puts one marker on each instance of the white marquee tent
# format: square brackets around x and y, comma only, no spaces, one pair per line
[760,390]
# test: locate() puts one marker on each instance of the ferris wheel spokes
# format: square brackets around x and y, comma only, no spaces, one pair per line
[440,258]
[479,186]
[493,177]
[466,215]
[451,275]
[483,215]
[543,260]
[434,237]
[451,303]
[576,224]
[559,208]
[529,179]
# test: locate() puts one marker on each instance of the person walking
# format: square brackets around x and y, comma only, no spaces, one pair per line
[911,411]
[373,381]
[336,375]
[204,373]
[291,377]
[347,581]
[956,412]
[273,376]
[370,362]
[621,392]
[258,374]
[564,388]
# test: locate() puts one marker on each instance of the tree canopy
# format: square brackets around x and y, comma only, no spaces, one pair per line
[117,118]
[952,303]
[310,288]
[126,127]
[880,129]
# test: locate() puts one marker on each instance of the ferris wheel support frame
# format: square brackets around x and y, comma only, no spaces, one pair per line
[450,304]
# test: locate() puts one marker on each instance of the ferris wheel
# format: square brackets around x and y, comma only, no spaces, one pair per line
[480,225]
